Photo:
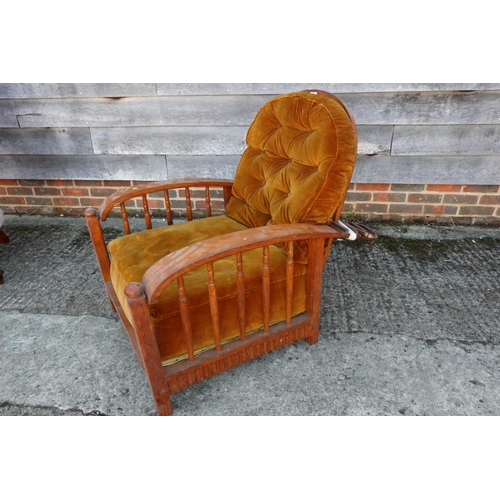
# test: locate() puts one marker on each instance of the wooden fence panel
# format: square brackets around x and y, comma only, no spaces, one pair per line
[449,140]
[88,167]
[368,109]
[193,141]
[223,167]
[50,141]
[408,133]
[63,90]
[374,139]
[134,111]
[67,90]
[425,108]
[427,170]
[334,88]
[169,140]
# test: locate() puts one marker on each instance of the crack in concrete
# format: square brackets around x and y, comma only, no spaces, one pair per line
[58,410]
[431,342]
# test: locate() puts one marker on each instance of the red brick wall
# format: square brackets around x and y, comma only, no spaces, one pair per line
[441,203]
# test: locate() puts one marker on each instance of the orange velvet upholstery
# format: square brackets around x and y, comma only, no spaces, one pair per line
[133,254]
[296,168]
[298,164]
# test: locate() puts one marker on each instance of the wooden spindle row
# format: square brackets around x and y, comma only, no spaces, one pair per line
[240,297]
[168,208]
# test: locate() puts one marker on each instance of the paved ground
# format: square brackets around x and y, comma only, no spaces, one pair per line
[409,327]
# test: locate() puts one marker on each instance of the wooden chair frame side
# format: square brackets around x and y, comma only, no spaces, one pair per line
[169,379]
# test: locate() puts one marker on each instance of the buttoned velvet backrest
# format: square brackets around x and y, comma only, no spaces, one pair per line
[298,163]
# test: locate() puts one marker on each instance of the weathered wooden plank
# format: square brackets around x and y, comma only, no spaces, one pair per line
[368,109]
[88,167]
[8,120]
[193,141]
[65,90]
[335,88]
[374,139]
[371,169]
[434,108]
[170,140]
[222,167]
[46,141]
[183,141]
[427,169]
[61,90]
[446,140]
[134,111]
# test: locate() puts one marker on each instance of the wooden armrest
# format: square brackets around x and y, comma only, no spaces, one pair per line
[170,267]
[123,195]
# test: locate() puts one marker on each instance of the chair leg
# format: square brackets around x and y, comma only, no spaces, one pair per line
[151,360]
[1,277]
[314,285]
[313,339]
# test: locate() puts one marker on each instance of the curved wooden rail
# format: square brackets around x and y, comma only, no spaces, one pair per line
[171,267]
[120,197]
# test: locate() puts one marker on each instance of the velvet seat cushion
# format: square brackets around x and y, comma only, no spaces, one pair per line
[133,254]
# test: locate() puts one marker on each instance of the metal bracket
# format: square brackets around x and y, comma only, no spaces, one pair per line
[355,230]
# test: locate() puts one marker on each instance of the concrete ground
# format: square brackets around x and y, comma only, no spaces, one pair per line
[409,326]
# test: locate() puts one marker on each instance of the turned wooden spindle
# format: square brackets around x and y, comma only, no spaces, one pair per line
[147,215]
[240,292]
[266,287]
[168,208]
[126,225]
[189,207]
[289,282]
[214,306]
[208,202]
[186,322]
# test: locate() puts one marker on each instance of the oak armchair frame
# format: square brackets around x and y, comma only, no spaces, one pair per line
[166,380]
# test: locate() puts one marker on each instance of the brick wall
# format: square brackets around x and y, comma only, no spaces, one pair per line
[433,203]
[436,203]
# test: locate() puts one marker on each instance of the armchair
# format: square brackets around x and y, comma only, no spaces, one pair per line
[204,295]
